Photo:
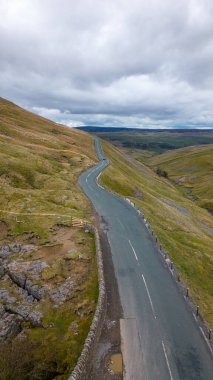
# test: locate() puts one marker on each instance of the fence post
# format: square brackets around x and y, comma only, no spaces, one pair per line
[197,311]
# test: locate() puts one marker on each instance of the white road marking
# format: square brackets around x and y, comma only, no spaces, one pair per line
[121,224]
[150,300]
[206,340]
[167,361]
[133,250]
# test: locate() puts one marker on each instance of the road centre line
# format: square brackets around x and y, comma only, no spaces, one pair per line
[121,224]
[167,361]
[133,250]
[150,300]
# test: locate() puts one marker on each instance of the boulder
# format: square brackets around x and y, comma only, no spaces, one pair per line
[35,319]
[10,326]
[23,311]
[34,290]
[5,297]
[18,277]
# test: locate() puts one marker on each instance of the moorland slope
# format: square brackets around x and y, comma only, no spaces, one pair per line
[192,169]
[48,279]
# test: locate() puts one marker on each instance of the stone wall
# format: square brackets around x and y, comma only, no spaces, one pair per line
[82,367]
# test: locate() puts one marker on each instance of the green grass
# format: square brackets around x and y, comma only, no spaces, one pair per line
[157,141]
[40,162]
[183,228]
[192,170]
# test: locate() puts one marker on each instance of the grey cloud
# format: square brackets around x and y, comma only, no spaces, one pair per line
[133,63]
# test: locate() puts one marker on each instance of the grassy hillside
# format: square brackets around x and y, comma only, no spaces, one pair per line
[157,141]
[192,169]
[184,229]
[41,210]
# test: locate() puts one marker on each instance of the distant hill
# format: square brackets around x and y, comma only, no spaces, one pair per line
[154,141]
[96,129]
[91,129]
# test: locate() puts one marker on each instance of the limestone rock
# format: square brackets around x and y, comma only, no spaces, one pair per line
[18,277]
[10,326]
[5,297]
[34,290]
[35,319]
[23,311]
[61,294]
[2,311]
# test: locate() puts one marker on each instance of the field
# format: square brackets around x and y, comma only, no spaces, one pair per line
[42,212]
[157,141]
[184,229]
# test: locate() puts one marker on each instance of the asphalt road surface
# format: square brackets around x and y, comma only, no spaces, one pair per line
[171,343]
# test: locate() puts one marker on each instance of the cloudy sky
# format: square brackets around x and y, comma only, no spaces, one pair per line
[141,63]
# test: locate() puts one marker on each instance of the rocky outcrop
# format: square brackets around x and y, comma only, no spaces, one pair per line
[18,278]
[35,319]
[19,272]
[60,295]
[13,248]
[25,312]
[22,311]
[10,324]
[5,296]
[34,290]
[19,291]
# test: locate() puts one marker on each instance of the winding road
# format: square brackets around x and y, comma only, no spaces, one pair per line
[171,345]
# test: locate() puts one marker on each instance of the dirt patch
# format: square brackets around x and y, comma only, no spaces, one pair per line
[61,244]
[116,364]
[110,340]
[182,210]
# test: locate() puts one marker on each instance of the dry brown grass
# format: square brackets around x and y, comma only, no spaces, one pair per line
[40,162]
